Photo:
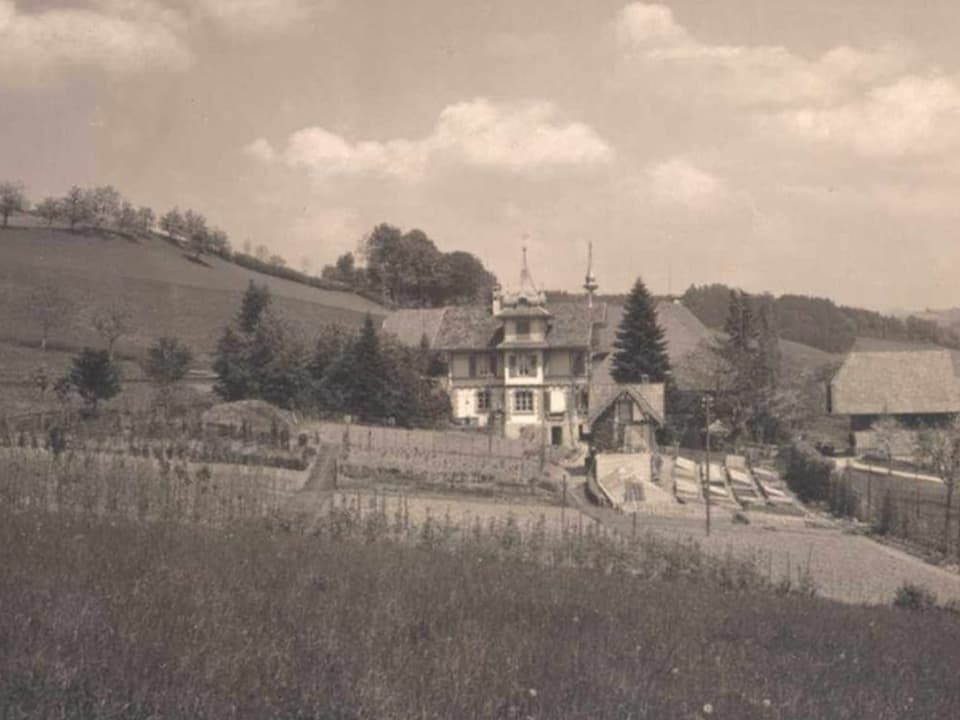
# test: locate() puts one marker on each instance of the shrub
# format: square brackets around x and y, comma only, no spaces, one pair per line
[911,596]
[807,473]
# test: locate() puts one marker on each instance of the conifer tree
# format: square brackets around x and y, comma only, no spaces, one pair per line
[641,349]
[360,377]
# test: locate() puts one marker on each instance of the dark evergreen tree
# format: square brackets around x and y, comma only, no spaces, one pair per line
[256,301]
[258,356]
[357,382]
[95,376]
[641,349]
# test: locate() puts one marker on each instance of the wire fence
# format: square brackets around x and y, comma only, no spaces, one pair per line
[904,507]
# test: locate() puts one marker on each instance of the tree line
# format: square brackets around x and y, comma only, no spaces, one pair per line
[820,322]
[361,374]
[408,270]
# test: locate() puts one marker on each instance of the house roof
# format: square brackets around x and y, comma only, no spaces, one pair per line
[903,382]
[409,326]
[649,396]
[682,329]
[474,327]
[683,332]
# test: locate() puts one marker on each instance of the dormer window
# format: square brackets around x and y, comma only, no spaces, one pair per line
[523,328]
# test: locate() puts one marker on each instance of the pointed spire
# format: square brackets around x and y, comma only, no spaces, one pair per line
[527,286]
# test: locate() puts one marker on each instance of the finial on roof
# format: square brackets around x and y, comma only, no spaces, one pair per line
[590,282]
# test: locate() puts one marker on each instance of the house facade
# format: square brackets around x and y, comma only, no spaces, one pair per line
[522,364]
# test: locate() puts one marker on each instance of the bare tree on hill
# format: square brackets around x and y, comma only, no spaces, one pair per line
[76,207]
[172,223]
[196,232]
[112,322]
[145,219]
[51,309]
[49,209]
[105,203]
[12,199]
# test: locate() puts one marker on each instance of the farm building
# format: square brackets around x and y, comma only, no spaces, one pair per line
[915,386]
[625,418]
[524,364]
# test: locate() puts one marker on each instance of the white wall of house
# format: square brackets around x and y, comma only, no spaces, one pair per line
[465,406]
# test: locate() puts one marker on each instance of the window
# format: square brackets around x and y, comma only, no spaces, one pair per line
[523,401]
[486,365]
[579,363]
[523,365]
[583,401]
[483,401]
[523,328]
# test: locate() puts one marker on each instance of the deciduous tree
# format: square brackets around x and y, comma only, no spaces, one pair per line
[12,199]
[49,209]
[167,363]
[76,207]
[50,308]
[112,321]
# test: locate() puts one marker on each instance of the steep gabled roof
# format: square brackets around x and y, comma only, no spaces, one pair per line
[683,332]
[409,326]
[649,396]
[682,329]
[895,382]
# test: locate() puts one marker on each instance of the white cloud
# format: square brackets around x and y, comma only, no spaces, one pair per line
[260,150]
[251,17]
[519,137]
[913,115]
[679,181]
[124,39]
[751,75]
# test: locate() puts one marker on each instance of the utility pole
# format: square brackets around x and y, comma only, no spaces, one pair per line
[707,404]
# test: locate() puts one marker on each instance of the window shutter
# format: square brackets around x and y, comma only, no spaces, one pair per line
[473,366]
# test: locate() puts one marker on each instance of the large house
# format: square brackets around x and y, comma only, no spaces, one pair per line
[525,365]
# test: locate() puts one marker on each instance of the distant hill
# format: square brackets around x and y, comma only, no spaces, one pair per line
[822,324]
[167,291]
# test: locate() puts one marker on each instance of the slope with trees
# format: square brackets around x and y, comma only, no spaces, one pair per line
[820,322]
[362,375]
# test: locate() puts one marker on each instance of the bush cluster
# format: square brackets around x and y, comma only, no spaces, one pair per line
[808,474]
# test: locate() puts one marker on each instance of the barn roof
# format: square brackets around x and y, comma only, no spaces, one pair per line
[904,382]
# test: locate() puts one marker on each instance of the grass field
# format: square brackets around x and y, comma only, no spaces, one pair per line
[167,292]
[122,619]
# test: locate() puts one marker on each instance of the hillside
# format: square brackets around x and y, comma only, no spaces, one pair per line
[821,323]
[167,291]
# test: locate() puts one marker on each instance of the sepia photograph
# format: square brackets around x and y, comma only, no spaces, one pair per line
[468,359]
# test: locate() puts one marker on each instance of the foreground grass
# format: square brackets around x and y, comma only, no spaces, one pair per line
[113,618]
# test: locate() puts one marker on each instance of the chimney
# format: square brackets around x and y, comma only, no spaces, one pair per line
[497,299]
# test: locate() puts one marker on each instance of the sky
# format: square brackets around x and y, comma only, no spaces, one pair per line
[773,145]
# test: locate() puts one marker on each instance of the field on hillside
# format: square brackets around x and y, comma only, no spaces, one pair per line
[166,290]
[123,619]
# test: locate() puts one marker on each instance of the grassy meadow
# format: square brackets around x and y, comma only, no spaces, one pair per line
[165,290]
[215,604]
